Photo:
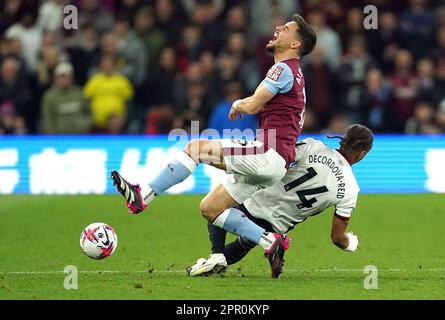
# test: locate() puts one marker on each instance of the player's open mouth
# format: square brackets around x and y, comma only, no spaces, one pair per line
[275,35]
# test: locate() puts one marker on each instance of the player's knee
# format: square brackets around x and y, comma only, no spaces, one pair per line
[206,211]
[192,149]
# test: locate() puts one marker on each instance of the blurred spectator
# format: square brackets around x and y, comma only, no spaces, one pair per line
[327,38]
[385,40]
[422,120]
[319,78]
[236,20]
[130,48]
[51,15]
[109,92]
[159,120]
[49,57]
[204,14]
[16,93]
[189,47]
[438,91]
[162,79]
[351,75]
[375,101]
[337,124]
[439,117]
[439,50]
[417,26]
[179,55]
[263,12]
[219,119]
[11,11]
[311,124]
[353,25]
[203,11]
[64,109]
[425,73]
[30,36]
[92,12]
[184,121]
[129,8]
[263,58]
[152,38]
[168,19]
[10,123]
[229,69]
[237,45]
[404,88]
[82,53]
[210,75]
[197,100]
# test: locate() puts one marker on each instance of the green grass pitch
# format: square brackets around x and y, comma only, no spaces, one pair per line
[402,235]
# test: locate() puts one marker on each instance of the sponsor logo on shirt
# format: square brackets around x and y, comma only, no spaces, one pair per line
[274,73]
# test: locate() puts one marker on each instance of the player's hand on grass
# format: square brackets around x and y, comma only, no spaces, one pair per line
[234,113]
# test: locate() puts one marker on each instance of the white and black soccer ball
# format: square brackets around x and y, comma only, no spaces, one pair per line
[98,240]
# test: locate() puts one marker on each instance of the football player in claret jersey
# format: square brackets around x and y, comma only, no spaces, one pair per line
[279,101]
[321,178]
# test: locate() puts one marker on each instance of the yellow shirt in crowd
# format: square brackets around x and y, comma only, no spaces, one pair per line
[108,95]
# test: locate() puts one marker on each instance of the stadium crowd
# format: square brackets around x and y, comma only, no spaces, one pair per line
[147,66]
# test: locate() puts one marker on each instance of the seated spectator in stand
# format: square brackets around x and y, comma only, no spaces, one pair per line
[64,109]
[219,119]
[109,93]
[422,121]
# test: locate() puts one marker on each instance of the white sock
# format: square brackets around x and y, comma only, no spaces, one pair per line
[148,194]
[266,240]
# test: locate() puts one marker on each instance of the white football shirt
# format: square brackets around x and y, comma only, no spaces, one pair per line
[321,178]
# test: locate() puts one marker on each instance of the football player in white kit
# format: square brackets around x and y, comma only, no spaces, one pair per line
[321,177]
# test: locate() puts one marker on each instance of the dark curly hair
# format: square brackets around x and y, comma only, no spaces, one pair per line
[356,138]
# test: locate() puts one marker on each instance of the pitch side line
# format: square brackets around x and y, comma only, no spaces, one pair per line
[230,271]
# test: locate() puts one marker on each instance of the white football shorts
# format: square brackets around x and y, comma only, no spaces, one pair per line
[249,168]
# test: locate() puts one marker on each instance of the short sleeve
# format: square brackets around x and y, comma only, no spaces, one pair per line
[279,78]
[345,207]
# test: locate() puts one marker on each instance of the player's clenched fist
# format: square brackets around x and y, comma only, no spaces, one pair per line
[353,242]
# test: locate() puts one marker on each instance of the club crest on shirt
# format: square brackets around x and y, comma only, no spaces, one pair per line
[274,73]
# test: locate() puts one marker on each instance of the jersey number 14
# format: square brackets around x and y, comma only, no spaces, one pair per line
[305,203]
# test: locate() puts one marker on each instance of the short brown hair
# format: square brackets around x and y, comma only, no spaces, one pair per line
[307,35]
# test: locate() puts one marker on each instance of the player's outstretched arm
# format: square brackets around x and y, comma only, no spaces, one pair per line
[339,236]
[252,104]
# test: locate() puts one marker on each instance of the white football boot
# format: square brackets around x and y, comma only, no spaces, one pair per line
[215,264]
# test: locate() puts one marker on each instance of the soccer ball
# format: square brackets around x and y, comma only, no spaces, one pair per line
[98,240]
